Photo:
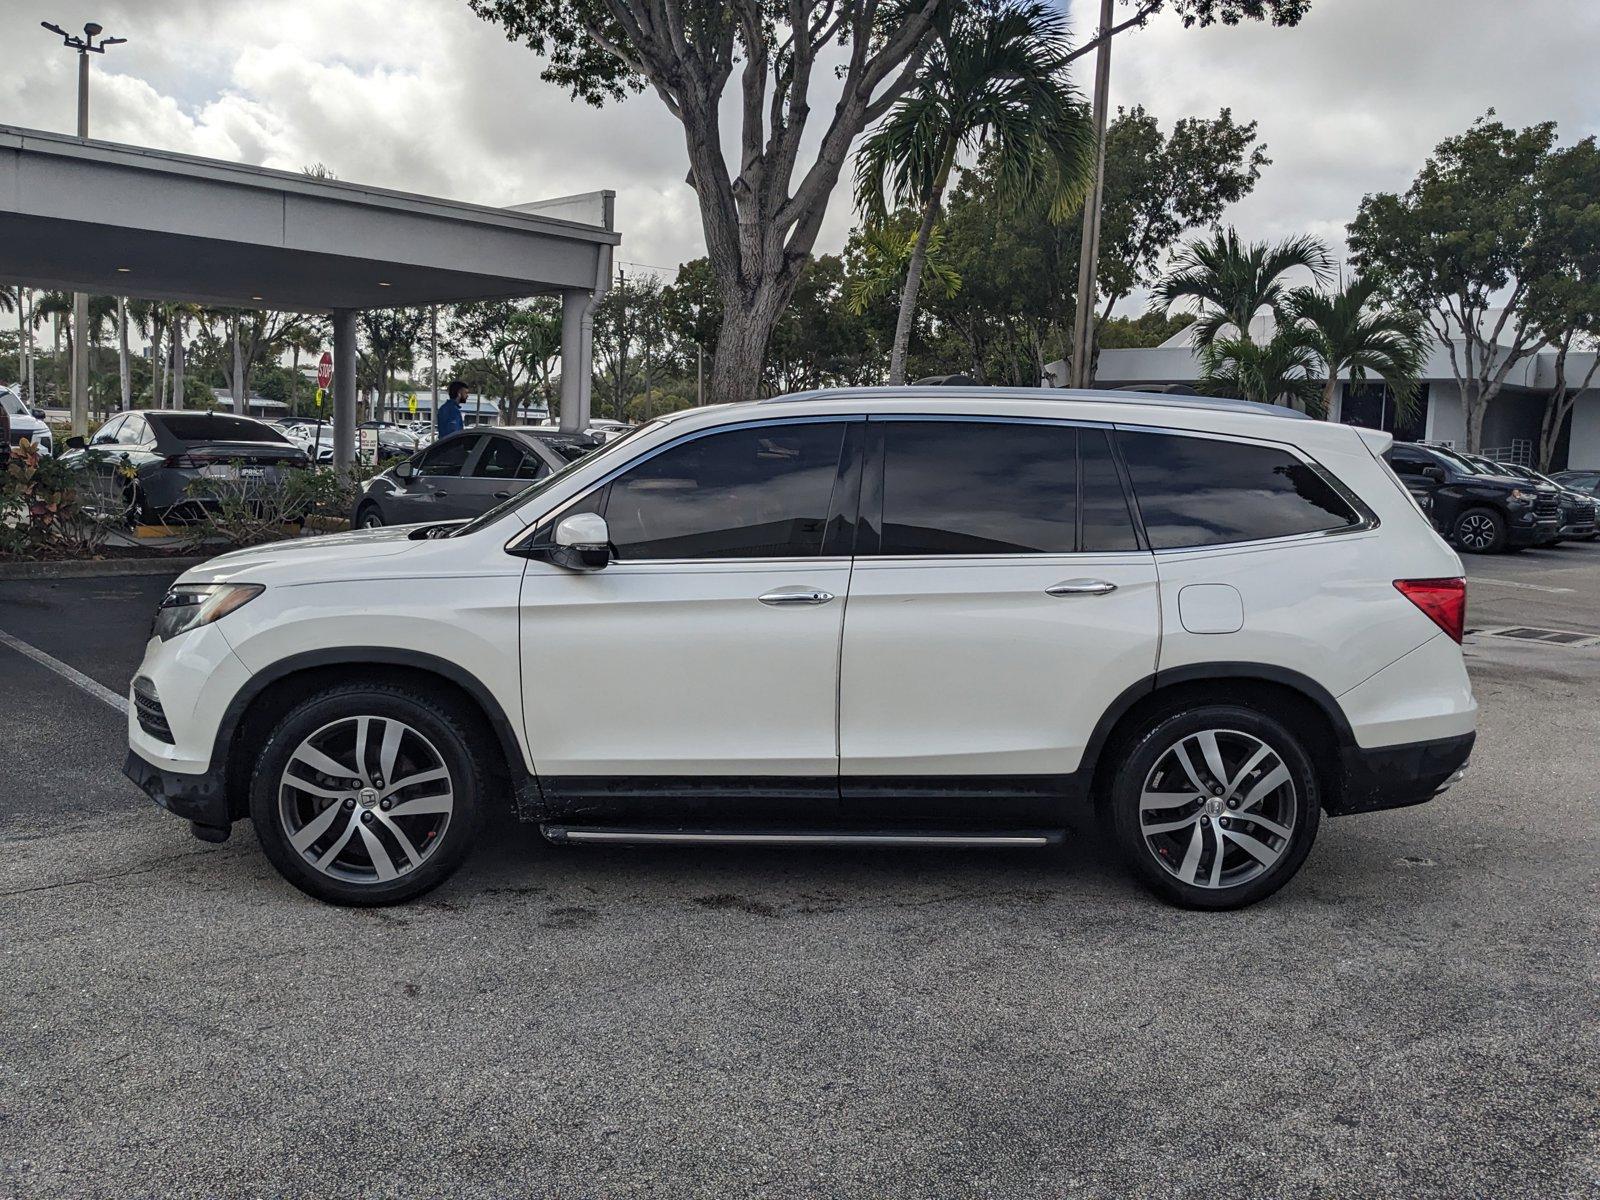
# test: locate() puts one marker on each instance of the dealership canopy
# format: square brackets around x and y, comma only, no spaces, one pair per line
[87,216]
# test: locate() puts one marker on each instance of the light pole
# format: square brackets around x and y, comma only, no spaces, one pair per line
[85,46]
[1083,320]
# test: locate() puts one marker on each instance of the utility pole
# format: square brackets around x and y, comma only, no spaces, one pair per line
[84,46]
[699,375]
[1083,319]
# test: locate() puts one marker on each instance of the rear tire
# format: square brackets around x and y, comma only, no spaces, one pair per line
[352,836]
[1480,531]
[369,516]
[1243,813]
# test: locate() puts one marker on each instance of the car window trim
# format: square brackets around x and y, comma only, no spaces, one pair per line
[1368,520]
[526,537]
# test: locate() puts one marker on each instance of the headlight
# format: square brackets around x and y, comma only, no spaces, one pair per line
[190,605]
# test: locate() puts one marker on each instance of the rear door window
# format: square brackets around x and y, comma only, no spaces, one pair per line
[217,427]
[502,458]
[1195,491]
[979,487]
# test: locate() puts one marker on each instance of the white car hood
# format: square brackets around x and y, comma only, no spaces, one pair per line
[306,554]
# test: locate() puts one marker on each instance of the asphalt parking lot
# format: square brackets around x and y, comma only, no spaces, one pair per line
[1415,1015]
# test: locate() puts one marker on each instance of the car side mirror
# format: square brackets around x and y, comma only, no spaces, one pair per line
[582,542]
[76,442]
[1434,473]
[405,471]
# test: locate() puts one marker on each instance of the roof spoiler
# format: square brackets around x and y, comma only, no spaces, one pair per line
[1376,439]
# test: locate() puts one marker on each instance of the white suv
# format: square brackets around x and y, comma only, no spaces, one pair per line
[886,616]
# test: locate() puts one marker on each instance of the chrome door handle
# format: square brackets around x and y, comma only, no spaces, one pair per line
[1081,587]
[785,596]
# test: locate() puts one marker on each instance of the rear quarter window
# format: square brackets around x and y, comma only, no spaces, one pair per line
[1194,491]
[212,427]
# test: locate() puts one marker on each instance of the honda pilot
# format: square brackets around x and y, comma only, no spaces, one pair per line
[938,616]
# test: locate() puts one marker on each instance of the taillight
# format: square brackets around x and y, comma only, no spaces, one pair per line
[1443,600]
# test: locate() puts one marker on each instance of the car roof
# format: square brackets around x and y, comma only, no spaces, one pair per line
[1080,395]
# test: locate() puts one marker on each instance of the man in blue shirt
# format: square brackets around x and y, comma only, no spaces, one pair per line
[449,414]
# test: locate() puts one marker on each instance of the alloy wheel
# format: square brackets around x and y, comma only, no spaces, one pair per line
[366,799]
[1476,531]
[1218,809]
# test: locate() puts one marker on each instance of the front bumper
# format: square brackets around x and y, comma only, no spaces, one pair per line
[1532,531]
[202,799]
[1399,776]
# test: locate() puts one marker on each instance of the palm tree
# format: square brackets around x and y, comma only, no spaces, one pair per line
[1351,330]
[996,76]
[1232,280]
[886,253]
[1280,371]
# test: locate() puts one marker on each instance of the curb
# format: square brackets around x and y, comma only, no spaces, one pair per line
[89,569]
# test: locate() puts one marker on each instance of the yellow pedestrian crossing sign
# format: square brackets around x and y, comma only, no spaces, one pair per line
[412,404]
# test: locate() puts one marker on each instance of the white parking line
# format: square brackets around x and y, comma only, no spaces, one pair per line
[70,674]
[1513,583]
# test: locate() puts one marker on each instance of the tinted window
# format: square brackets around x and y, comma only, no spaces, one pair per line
[1107,524]
[215,427]
[1203,492]
[504,459]
[747,493]
[959,487]
[445,459]
[12,403]
[135,433]
[109,431]
[1407,464]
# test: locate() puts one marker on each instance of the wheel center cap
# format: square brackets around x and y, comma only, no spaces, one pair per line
[1214,806]
[367,797]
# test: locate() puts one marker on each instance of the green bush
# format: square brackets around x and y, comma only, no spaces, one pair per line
[48,510]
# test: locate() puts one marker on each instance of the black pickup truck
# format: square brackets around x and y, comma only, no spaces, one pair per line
[1479,511]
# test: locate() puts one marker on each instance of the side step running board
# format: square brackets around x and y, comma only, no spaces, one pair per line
[782,837]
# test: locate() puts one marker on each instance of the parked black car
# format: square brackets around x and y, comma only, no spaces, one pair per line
[1481,512]
[147,460]
[1579,480]
[1577,508]
[466,474]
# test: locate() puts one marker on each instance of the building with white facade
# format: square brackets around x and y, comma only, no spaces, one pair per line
[1510,427]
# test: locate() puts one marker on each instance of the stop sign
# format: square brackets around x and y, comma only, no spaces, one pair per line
[325,370]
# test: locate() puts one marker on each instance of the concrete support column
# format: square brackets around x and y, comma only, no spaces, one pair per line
[80,364]
[576,356]
[344,386]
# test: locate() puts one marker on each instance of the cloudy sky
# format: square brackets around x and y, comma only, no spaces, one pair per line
[420,95]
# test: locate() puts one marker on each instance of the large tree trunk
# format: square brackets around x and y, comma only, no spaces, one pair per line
[909,291]
[178,395]
[1473,408]
[736,367]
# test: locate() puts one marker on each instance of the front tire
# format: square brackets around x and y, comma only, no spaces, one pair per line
[1215,807]
[1480,531]
[368,794]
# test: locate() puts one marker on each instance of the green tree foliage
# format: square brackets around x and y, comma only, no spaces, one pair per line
[1159,187]
[1354,330]
[1230,280]
[1147,329]
[1564,283]
[390,336]
[1458,245]
[507,349]
[761,208]
[996,79]
[1278,370]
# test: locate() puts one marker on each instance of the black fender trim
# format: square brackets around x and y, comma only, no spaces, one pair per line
[1210,672]
[523,780]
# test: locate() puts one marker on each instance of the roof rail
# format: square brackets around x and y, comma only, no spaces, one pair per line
[945,391]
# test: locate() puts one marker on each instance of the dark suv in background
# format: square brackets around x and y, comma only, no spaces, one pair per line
[1577,522]
[1476,509]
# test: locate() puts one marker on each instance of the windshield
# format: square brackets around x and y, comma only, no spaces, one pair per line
[12,403]
[1461,464]
[549,481]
